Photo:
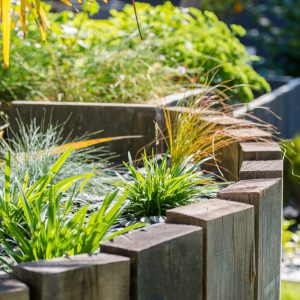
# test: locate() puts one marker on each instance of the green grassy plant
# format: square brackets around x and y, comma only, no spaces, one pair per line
[160,185]
[38,220]
[34,146]
[201,127]
[106,61]
[197,41]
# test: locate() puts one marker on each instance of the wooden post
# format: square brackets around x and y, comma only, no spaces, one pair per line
[230,156]
[258,169]
[81,277]
[228,246]
[266,196]
[259,151]
[12,289]
[166,261]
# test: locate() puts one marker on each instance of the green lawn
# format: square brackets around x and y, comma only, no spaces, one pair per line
[290,291]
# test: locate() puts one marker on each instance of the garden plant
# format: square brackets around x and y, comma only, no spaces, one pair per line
[278,31]
[60,197]
[107,61]
[38,221]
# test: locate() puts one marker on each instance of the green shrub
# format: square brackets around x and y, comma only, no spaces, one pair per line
[194,39]
[105,60]
[39,222]
[160,186]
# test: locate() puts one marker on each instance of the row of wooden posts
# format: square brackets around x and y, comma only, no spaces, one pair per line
[223,248]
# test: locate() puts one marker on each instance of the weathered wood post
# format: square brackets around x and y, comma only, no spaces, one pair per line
[228,246]
[259,161]
[12,289]
[81,277]
[166,261]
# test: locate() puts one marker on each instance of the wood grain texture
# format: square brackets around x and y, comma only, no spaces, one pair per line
[261,169]
[228,158]
[166,261]
[250,133]
[231,157]
[228,246]
[259,151]
[81,277]
[266,196]
[12,289]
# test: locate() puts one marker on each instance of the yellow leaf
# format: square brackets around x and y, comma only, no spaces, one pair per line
[74,146]
[88,143]
[44,18]
[32,11]
[23,17]
[6,23]
[44,23]
[67,2]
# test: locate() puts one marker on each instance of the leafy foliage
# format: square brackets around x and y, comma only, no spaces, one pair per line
[224,8]
[279,30]
[38,221]
[291,188]
[160,186]
[290,240]
[106,61]
[197,40]
[35,9]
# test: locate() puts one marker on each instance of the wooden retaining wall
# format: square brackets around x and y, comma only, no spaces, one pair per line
[225,248]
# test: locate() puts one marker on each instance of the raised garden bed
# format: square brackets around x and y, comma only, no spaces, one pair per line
[138,119]
[224,248]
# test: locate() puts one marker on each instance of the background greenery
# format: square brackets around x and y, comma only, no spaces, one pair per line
[290,290]
[106,60]
[278,33]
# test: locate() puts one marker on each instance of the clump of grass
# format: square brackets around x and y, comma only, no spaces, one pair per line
[161,185]
[34,147]
[202,126]
[38,220]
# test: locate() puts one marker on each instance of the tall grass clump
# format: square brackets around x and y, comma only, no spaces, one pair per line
[202,126]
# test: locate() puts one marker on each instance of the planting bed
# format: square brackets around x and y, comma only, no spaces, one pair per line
[224,248]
